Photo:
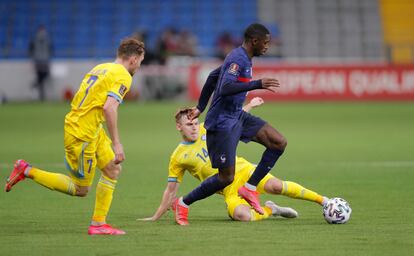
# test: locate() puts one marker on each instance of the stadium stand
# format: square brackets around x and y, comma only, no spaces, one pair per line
[84,29]
[326,29]
[310,29]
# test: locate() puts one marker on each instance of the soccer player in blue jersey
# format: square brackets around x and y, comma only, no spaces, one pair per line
[191,156]
[226,123]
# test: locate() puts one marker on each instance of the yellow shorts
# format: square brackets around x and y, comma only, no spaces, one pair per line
[230,193]
[81,157]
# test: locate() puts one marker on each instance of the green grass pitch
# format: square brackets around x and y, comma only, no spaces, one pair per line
[363,152]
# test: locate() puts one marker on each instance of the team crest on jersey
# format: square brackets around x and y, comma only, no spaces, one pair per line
[234,69]
[203,137]
[122,90]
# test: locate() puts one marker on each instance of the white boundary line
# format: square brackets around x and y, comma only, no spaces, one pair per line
[391,164]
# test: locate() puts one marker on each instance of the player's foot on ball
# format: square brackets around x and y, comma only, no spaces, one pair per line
[285,212]
[17,174]
[325,200]
[180,213]
[104,229]
[252,197]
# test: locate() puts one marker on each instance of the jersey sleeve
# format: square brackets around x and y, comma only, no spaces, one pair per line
[175,170]
[208,89]
[236,79]
[233,70]
[120,86]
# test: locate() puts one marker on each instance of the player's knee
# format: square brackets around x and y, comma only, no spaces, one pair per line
[241,215]
[279,144]
[273,186]
[113,171]
[283,143]
[226,179]
[82,191]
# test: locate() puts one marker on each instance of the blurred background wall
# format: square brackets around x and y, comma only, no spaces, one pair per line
[317,42]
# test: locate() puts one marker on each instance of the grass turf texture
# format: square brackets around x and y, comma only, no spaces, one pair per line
[362,152]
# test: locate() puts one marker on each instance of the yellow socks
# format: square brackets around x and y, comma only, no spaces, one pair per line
[294,190]
[256,216]
[104,191]
[53,181]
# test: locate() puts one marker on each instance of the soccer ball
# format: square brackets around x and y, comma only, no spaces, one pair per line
[337,211]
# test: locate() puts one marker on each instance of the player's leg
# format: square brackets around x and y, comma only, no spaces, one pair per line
[244,212]
[258,130]
[105,187]
[237,208]
[104,192]
[222,150]
[291,189]
[210,186]
[55,181]
[275,145]
[240,210]
[207,188]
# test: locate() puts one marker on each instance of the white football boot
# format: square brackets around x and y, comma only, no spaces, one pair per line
[285,212]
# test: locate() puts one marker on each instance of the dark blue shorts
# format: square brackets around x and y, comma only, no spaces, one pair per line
[222,144]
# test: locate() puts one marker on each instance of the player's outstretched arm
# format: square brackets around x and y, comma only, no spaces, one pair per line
[270,84]
[231,87]
[206,93]
[110,109]
[167,199]
[255,102]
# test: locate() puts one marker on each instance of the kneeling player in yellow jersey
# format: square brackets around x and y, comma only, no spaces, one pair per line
[87,145]
[191,155]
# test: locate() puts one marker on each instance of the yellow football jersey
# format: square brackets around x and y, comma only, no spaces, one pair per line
[193,157]
[86,116]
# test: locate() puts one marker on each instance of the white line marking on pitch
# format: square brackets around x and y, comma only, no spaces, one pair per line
[393,164]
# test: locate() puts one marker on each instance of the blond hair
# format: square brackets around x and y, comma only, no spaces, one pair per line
[130,46]
[182,112]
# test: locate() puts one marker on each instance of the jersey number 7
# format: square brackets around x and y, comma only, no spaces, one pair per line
[91,81]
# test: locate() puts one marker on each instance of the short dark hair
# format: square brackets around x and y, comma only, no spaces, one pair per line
[130,46]
[255,30]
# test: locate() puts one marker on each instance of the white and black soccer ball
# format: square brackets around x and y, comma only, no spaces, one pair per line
[337,211]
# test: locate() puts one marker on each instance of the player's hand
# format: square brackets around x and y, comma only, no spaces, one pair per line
[147,219]
[270,84]
[119,153]
[193,114]
[256,101]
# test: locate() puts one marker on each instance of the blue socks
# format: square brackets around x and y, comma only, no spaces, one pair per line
[269,158]
[208,187]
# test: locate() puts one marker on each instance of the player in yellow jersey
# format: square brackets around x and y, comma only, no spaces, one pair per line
[87,145]
[191,155]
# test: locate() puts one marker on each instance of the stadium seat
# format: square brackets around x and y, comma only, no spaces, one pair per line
[66,20]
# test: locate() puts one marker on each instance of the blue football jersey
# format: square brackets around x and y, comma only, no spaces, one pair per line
[225,111]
